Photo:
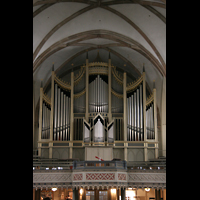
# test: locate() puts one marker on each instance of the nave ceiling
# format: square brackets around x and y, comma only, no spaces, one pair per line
[133,31]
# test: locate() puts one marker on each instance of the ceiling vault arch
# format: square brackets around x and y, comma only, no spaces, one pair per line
[133,31]
[130,43]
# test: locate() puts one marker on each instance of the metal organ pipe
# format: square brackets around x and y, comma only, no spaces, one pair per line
[138,115]
[66,116]
[58,116]
[135,129]
[141,113]
[61,115]
[127,103]
[135,116]
[55,110]
[132,113]
[153,130]
[64,113]
[45,121]
[43,117]
[130,117]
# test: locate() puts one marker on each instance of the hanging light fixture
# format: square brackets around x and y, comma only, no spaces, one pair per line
[147,189]
[54,189]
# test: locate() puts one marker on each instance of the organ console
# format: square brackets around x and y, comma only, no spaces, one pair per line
[63,116]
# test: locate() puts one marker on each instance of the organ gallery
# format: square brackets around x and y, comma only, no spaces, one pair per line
[97,107]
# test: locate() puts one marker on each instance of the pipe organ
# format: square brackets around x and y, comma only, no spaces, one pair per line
[98,108]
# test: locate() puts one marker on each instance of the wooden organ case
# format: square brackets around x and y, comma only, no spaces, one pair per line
[97,108]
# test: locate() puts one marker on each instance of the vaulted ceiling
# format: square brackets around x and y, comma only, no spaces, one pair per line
[133,31]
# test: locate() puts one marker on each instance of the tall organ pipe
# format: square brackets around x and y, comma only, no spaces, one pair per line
[61,115]
[127,103]
[46,119]
[153,121]
[135,116]
[64,113]
[132,113]
[55,109]
[67,118]
[130,117]
[43,120]
[58,120]
[141,113]
[138,114]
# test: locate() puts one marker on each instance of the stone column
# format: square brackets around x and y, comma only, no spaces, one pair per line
[37,194]
[75,194]
[123,196]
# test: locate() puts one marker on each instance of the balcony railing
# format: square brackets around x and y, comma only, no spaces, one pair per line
[99,165]
[59,164]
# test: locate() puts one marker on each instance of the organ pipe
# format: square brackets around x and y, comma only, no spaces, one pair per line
[55,110]
[64,113]
[141,113]
[132,122]
[135,118]
[45,121]
[138,116]
[98,95]
[150,121]
[61,114]
[58,116]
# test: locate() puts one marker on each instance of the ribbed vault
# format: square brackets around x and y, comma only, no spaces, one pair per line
[133,31]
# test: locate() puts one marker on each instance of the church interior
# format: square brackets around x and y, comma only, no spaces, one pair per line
[99,99]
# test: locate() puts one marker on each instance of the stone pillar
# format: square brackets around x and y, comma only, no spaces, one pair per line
[75,194]
[37,194]
[123,196]
[157,194]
